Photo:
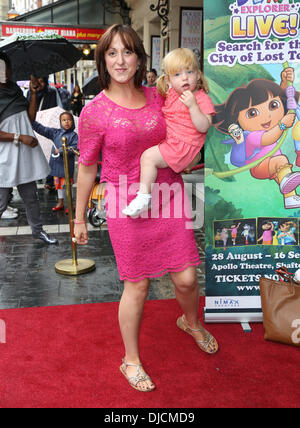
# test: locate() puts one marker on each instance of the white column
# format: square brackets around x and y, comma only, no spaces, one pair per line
[147,40]
[68,81]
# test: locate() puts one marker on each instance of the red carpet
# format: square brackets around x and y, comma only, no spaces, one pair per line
[69,357]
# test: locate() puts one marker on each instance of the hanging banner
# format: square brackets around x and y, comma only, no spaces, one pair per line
[252,152]
[71,33]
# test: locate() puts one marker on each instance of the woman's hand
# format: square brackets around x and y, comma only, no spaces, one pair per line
[28,140]
[81,235]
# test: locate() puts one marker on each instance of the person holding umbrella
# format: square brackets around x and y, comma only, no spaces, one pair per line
[22,161]
[47,96]
[40,54]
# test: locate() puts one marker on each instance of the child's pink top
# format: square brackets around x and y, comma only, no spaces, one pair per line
[183,141]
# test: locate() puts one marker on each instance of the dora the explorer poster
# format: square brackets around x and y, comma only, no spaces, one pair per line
[252,154]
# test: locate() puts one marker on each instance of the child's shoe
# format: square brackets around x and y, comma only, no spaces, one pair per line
[138,205]
[67,210]
[58,208]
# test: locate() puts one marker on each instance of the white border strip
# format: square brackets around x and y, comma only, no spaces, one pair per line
[230,317]
[51,228]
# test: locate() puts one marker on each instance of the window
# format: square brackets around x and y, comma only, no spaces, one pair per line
[91,12]
[65,13]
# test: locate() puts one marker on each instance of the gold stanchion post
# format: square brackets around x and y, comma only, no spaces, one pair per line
[72,266]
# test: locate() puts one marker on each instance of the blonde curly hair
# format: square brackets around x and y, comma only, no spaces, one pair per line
[176,60]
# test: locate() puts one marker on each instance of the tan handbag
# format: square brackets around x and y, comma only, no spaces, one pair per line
[281,308]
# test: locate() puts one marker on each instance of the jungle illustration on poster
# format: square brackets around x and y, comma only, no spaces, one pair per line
[252,155]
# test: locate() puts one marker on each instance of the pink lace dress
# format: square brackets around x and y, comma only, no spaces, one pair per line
[161,240]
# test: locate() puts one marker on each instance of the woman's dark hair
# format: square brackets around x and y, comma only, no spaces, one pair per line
[131,42]
[76,85]
[152,70]
[257,92]
[6,59]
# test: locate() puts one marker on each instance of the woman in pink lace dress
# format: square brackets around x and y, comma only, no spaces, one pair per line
[188,112]
[122,121]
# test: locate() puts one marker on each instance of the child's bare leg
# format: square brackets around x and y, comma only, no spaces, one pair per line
[60,197]
[193,163]
[151,160]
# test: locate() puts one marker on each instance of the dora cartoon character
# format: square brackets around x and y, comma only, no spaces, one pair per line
[260,110]
[234,231]
[268,232]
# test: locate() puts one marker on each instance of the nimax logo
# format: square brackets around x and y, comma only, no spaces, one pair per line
[226,303]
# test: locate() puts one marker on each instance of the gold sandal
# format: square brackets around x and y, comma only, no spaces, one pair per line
[139,377]
[203,344]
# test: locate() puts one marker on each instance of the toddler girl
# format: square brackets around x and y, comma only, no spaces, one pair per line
[67,127]
[188,112]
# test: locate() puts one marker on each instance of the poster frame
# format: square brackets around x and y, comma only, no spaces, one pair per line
[230,297]
[153,61]
[196,9]
[166,46]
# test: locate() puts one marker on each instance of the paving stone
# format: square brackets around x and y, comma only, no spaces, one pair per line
[27,266]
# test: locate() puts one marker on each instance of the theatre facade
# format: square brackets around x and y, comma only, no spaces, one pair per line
[162,24]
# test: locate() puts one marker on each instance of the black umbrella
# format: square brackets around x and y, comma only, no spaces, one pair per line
[91,85]
[39,54]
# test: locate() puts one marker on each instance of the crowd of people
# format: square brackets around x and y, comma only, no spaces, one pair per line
[22,161]
[57,95]
[159,126]
[46,96]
